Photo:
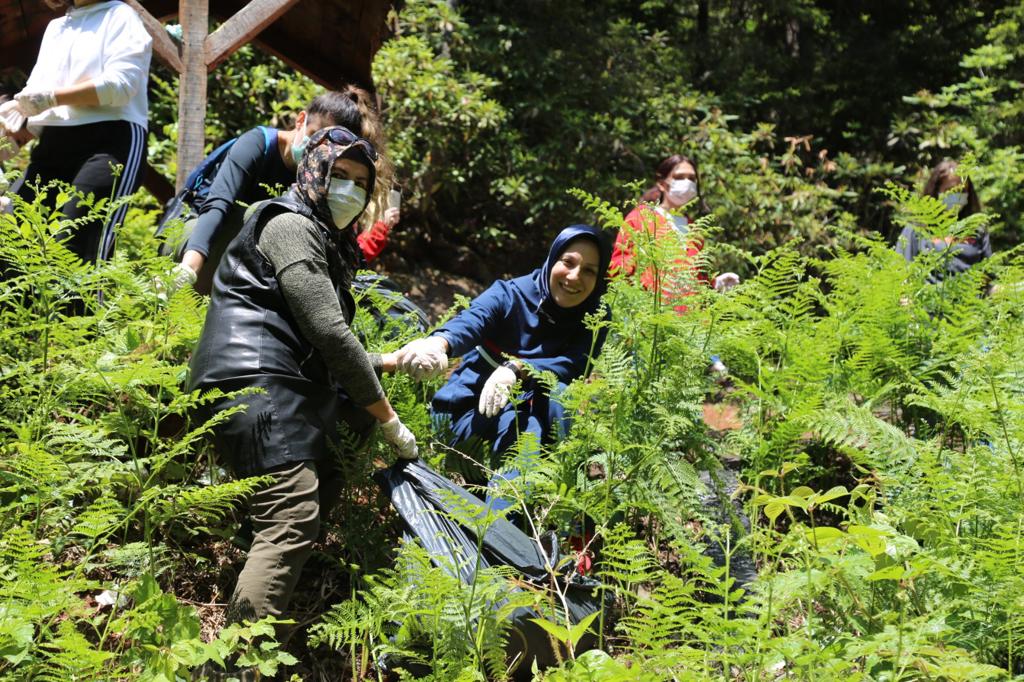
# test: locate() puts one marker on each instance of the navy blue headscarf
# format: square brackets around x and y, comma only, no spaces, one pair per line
[518,318]
[542,277]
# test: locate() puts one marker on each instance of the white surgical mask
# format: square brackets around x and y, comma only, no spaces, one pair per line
[682,191]
[955,201]
[346,200]
[299,146]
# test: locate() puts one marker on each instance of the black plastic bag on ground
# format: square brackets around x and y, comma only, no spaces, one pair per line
[426,503]
[399,308]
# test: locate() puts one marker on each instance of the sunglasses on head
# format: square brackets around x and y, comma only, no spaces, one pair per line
[344,136]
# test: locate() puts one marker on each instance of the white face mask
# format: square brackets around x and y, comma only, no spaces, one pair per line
[955,201]
[682,192]
[346,201]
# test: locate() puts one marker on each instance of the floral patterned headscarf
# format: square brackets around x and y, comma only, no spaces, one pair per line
[314,173]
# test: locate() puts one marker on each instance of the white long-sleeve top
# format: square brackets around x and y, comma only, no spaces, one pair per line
[106,43]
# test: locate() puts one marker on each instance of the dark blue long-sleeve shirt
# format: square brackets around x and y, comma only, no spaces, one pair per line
[518,318]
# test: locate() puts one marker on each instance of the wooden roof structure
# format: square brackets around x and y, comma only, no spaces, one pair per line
[331,41]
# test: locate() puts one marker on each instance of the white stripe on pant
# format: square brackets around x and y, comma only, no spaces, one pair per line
[125,186]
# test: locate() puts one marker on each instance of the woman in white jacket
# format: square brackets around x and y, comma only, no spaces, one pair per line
[86,102]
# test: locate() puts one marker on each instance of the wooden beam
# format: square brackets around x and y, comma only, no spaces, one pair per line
[242,27]
[163,47]
[195,17]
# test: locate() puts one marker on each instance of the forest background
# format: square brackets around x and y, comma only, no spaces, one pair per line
[797,111]
[878,414]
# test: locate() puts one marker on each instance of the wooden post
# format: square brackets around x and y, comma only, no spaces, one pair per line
[194,16]
[245,24]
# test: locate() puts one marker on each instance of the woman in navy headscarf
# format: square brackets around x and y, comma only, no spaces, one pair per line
[536,320]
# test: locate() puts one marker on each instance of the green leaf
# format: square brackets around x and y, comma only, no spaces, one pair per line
[824,534]
[871,540]
[894,572]
[559,632]
[580,628]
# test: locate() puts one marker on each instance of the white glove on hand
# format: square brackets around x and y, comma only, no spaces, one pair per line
[183,276]
[423,358]
[11,117]
[497,391]
[400,437]
[726,281]
[33,103]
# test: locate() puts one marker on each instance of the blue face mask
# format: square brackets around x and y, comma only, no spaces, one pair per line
[346,200]
[299,147]
[955,201]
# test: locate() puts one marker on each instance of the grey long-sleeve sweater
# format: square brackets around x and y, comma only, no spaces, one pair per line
[295,250]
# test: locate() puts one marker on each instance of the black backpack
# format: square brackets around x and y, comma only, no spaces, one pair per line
[198,183]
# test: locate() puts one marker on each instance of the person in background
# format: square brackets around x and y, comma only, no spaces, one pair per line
[250,172]
[278,321]
[535,321]
[659,215]
[958,195]
[86,102]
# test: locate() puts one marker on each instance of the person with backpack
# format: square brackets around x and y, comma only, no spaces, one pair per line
[85,101]
[247,169]
[531,322]
[278,322]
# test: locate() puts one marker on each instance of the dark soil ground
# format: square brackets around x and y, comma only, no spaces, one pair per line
[431,288]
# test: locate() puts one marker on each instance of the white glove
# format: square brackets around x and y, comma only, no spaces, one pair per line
[35,102]
[423,358]
[183,276]
[11,117]
[497,391]
[400,437]
[6,205]
[726,281]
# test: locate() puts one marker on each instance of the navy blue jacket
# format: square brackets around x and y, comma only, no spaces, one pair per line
[518,318]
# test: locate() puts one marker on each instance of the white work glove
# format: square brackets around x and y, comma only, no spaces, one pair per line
[11,117]
[35,102]
[423,358]
[400,437]
[726,281]
[183,276]
[497,391]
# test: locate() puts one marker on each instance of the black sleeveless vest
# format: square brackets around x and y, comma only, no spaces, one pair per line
[249,329]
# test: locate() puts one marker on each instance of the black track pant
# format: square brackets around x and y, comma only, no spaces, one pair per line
[84,156]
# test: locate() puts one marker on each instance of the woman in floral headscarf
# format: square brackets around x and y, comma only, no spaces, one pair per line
[278,321]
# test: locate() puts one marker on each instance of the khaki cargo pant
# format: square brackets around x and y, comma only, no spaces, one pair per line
[286,522]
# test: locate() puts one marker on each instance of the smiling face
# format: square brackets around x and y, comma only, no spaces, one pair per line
[574,275]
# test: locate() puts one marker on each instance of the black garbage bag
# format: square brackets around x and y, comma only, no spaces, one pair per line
[720,507]
[426,503]
[399,308]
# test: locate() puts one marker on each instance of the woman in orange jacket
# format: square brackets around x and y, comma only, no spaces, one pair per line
[662,216]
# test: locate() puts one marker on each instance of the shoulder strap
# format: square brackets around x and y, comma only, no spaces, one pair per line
[269,141]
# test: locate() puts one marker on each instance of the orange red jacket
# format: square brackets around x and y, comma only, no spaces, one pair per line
[676,280]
